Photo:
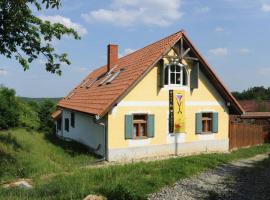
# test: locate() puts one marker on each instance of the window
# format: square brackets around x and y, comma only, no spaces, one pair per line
[139,126]
[72,116]
[59,124]
[67,124]
[207,122]
[175,75]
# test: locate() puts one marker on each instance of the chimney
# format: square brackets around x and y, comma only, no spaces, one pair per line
[112,56]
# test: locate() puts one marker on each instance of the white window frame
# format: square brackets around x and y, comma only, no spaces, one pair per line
[182,67]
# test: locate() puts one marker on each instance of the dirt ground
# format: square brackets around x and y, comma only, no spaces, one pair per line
[246,179]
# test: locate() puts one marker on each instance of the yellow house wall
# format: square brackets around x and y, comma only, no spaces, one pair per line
[147,97]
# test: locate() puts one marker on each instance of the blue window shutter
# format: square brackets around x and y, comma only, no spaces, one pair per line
[198,122]
[215,122]
[194,76]
[128,126]
[150,126]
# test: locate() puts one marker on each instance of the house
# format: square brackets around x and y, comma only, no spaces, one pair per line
[160,100]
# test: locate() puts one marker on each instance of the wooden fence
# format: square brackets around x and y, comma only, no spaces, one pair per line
[245,135]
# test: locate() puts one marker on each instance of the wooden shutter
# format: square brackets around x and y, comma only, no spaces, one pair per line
[194,76]
[128,126]
[161,74]
[215,122]
[198,122]
[150,126]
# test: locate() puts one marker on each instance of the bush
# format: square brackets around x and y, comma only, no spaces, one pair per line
[28,116]
[9,108]
[46,109]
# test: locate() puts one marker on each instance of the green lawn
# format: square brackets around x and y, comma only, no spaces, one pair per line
[129,181]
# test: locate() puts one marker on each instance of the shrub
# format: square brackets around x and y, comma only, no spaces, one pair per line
[9,108]
[46,109]
[28,116]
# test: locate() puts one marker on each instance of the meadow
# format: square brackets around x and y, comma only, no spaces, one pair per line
[58,169]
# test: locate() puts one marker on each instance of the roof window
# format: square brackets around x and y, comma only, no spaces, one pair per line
[111,76]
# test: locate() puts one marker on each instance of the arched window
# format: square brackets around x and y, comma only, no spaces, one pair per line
[175,75]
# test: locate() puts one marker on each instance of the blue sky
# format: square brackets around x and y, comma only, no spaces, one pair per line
[233,35]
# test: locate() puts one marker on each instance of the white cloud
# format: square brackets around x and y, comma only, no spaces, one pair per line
[81,69]
[244,51]
[65,21]
[3,72]
[129,51]
[266,7]
[131,12]
[219,29]
[264,71]
[205,9]
[219,51]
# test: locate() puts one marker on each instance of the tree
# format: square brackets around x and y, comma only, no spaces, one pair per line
[26,37]
[47,107]
[9,108]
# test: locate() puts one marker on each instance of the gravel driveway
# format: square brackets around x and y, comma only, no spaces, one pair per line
[243,179]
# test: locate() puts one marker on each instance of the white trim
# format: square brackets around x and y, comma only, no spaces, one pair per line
[166,103]
[143,103]
[175,87]
[204,103]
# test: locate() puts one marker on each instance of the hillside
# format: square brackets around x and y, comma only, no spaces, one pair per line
[39,100]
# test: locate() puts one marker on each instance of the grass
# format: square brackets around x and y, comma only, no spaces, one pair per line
[31,154]
[130,181]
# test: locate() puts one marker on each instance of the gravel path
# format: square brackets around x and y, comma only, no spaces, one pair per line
[236,180]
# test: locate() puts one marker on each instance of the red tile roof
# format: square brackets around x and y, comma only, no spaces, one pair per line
[255,106]
[57,114]
[98,100]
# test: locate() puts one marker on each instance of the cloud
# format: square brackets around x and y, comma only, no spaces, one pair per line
[266,7]
[129,51]
[3,72]
[244,51]
[264,71]
[219,51]
[205,9]
[81,69]
[219,29]
[65,21]
[132,12]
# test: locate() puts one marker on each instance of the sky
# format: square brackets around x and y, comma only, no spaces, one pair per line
[233,36]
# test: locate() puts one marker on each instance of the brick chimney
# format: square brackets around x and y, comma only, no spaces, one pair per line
[112,56]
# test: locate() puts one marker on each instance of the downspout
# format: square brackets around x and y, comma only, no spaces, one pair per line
[96,121]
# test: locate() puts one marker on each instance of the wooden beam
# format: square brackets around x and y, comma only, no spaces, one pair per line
[185,53]
[191,58]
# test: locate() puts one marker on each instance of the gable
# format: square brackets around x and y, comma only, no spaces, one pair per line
[93,98]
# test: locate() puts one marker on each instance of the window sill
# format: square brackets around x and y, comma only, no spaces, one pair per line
[206,133]
[140,138]
[174,87]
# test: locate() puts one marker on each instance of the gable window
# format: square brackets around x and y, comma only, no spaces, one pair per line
[139,126]
[72,116]
[206,122]
[67,124]
[175,75]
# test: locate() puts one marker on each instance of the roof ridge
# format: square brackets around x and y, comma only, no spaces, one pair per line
[181,31]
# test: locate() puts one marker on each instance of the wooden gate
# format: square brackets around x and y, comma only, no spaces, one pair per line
[245,135]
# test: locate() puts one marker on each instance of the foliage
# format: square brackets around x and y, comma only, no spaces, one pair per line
[127,181]
[253,93]
[25,36]
[46,108]
[9,108]
[29,116]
